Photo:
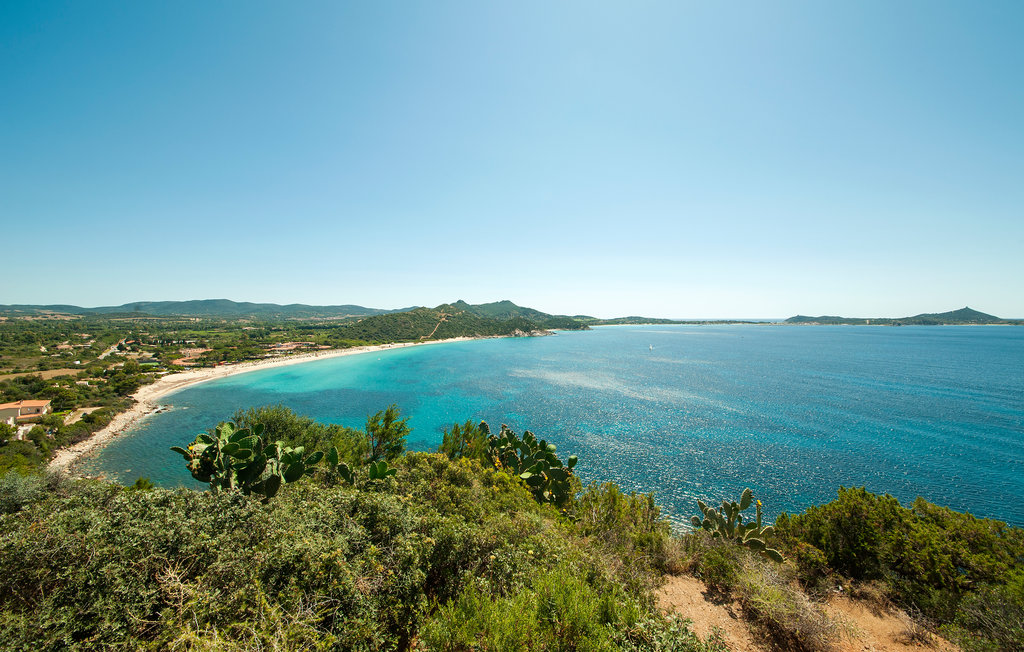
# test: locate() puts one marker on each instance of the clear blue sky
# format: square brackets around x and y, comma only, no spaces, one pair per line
[678,159]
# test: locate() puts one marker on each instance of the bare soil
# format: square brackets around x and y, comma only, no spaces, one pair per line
[863,626]
[48,374]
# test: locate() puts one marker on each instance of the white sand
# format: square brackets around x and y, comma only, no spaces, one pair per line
[147,397]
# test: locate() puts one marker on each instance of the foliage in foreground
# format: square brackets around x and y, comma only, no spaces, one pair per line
[230,458]
[533,460]
[238,459]
[728,524]
[766,589]
[90,565]
[963,573]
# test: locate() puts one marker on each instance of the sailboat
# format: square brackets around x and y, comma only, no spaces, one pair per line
[652,346]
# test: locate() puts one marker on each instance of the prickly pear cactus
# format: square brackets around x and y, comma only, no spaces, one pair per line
[237,459]
[535,462]
[727,523]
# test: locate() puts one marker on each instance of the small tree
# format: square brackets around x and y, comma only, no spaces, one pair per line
[386,433]
[468,440]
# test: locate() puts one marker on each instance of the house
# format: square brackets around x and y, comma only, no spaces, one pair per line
[20,411]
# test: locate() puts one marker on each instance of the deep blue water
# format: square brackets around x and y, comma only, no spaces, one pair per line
[792,412]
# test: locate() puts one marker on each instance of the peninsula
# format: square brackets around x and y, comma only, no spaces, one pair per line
[963,317]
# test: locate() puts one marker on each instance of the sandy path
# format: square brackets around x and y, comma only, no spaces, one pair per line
[876,630]
[862,628]
[688,596]
[147,398]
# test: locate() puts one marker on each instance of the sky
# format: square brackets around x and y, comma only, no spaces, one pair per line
[667,159]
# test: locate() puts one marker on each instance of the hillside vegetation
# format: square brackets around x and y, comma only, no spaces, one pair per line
[961,317]
[490,544]
[88,358]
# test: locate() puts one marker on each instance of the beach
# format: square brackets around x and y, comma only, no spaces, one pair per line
[148,398]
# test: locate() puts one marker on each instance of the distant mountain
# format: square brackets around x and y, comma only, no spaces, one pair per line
[964,316]
[439,323]
[505,310]
[632,320]
[207,308]
[526,319]
[499,310]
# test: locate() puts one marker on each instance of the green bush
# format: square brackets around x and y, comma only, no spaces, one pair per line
[90,565]
[561,610]
[991,618]
[931,558]
[630,527]
[715,561]
[533,461]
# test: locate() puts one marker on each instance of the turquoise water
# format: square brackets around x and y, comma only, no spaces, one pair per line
[792,412]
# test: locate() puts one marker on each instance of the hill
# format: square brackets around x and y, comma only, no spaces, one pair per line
[444,322]
[964,316]
[504,310]
[205,308]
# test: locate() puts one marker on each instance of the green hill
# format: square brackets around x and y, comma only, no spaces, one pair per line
[503,310]
[444,322]
[964,316]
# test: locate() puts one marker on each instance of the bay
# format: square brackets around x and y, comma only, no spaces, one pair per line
[685,412]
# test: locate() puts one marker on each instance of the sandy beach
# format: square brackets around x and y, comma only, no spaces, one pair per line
[147,398]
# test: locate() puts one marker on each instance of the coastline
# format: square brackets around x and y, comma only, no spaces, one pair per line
[147,398]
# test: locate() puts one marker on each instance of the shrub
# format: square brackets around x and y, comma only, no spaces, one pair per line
[562,610]
[533,461]
[630,527]
[767,594]
[727,523]
[931,558]
[89,565]
[991,618]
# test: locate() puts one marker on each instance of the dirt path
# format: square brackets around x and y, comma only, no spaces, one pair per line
[862,626]
[689,597]
[868,627]
[442,320]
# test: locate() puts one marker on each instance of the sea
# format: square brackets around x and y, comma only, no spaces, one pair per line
[683,412]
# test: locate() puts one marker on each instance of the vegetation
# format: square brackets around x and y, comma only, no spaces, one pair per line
[97,357]
[455,551]
[531,460]
[436,554]
[728,524]
[931,559]
[238,459]
[964,316]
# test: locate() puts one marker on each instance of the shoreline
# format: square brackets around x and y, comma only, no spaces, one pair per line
[148,396]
